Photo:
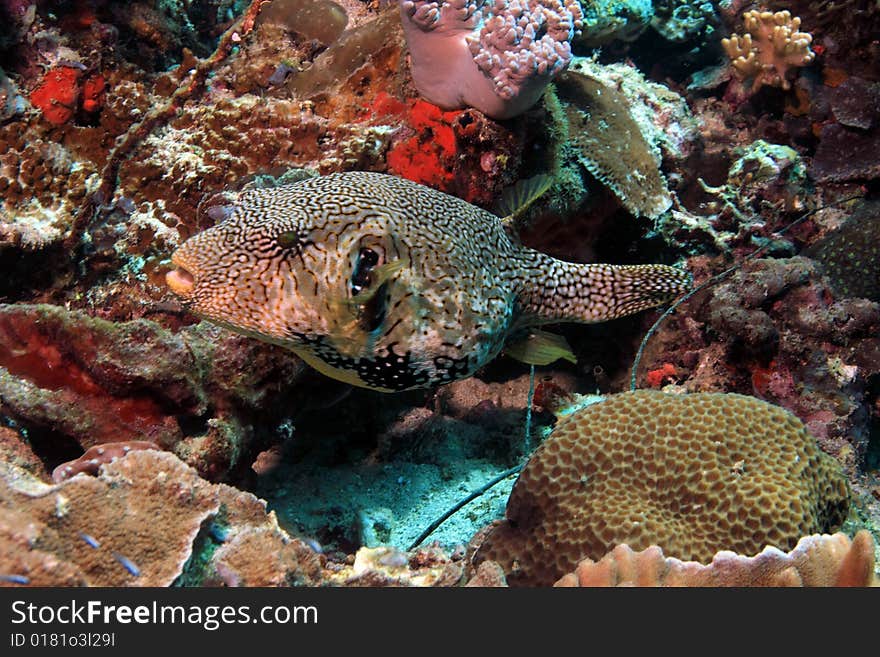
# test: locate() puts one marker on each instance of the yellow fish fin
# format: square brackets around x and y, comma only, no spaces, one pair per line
[518,197]
[380,275]
[540,348]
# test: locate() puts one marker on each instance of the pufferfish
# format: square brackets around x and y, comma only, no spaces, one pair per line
[388,284]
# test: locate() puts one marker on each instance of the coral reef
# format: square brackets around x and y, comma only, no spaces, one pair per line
[97,382]
[610,142]
[604,21]
[817,560]
[96,456]
[770,49]
[497,57]
[776,330]
[693,474]
[148,520]
[141,523]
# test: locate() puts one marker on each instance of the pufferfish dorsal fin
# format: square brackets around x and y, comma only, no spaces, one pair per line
[539,348]
[518,197]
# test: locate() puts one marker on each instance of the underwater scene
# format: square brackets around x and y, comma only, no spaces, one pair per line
[439,293]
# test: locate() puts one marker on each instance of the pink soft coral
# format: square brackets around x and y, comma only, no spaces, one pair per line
[496,56]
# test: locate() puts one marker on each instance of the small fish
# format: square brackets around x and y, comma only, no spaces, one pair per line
[16,579]
[387,284]
[127,564]
[219,533]
[91,541]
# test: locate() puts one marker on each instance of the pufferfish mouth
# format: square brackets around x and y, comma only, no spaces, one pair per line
[180,280]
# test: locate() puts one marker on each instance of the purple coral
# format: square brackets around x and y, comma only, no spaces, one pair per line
[494,55]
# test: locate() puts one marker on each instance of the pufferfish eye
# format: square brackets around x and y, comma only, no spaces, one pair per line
[362,275]
[288,239]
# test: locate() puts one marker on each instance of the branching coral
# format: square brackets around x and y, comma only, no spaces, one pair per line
[771,47]
[496,56]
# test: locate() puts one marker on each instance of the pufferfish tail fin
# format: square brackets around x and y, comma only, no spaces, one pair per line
[557,291]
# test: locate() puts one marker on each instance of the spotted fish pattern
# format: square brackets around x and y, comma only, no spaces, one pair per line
[387,284]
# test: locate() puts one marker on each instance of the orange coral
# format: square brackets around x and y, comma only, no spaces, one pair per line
[817,560]
[57,94]
[93,92]
[771,47]
[428,156]
[656,377]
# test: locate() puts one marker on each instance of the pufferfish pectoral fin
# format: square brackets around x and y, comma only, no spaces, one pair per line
[557,291]
[539,348]
[517,198]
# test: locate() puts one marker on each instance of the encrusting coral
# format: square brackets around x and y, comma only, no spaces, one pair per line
[771,47]
[95,381]
[693,474]
[139,523]
[607,20]
[610,142]
[494,55]
[96,456]
[850,256]
[817,560]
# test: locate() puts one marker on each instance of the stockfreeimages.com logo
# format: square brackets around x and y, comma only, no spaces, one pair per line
[210,617]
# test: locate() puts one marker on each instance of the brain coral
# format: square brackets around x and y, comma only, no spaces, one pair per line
[694,474]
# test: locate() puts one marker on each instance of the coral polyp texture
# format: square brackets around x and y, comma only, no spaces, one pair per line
[850,256]
[614,142]
[139,523]
[496,56]
[693,474]
[817,560]
[770,49]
